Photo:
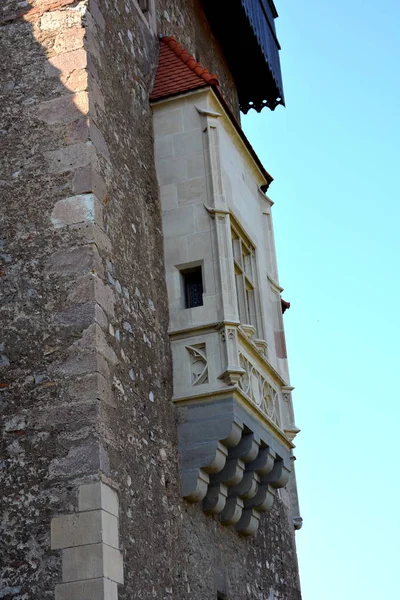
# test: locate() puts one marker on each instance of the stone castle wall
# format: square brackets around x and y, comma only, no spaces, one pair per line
[85,367]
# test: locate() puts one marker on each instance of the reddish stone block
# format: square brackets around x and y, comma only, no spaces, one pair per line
[68,40]
[77,131]
[76,81]
[61,64]
[63,109]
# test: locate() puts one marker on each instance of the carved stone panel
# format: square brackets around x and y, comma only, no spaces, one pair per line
[256,386]
[198,364]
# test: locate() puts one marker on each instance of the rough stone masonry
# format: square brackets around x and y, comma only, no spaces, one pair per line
[90,499]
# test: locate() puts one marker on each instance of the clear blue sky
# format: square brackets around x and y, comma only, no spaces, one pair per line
[334,154]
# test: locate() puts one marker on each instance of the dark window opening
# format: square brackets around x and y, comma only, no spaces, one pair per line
[193,287]
[144,5]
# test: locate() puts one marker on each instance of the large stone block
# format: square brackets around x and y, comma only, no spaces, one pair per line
[74,261]
[168,122]
[171,171]
[178,222]
[60,19]
[68,40]
[76,81]
[85,208]
[65,63]
[91,387]
[64,109]
[94,589]
[92,561]
[188,143]
[70,158]
[81,363]
[92,288]
[88,180]
[86,459]
[84,528]
[192,191]
[98,495]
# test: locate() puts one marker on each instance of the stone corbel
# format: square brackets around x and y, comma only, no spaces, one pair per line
[249,331]
[290,428]
[232,371]
[262,347]
[231,462]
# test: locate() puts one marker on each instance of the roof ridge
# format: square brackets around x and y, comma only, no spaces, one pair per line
[189,60]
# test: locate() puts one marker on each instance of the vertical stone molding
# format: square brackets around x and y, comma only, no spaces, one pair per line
[290,428]
[92,563]
[232,371]
[218,208]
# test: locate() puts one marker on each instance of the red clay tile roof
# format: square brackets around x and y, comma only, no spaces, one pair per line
[178,71]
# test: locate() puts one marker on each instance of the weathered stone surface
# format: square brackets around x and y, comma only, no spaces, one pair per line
[65,63]
[92,387]
[90,233]
[77,131]
[60,19]
[75,81]
[64,109]
[75,261]
[85,459]
[68,40]
[91,287]
[70,157]
[77,209]
[88,180]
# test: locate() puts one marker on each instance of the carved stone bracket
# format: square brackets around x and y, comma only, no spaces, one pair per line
[249,331]
[230,461]
[230,352]
[290,430]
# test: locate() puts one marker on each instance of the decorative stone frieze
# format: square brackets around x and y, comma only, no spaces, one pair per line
[230,461]
[255,385]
